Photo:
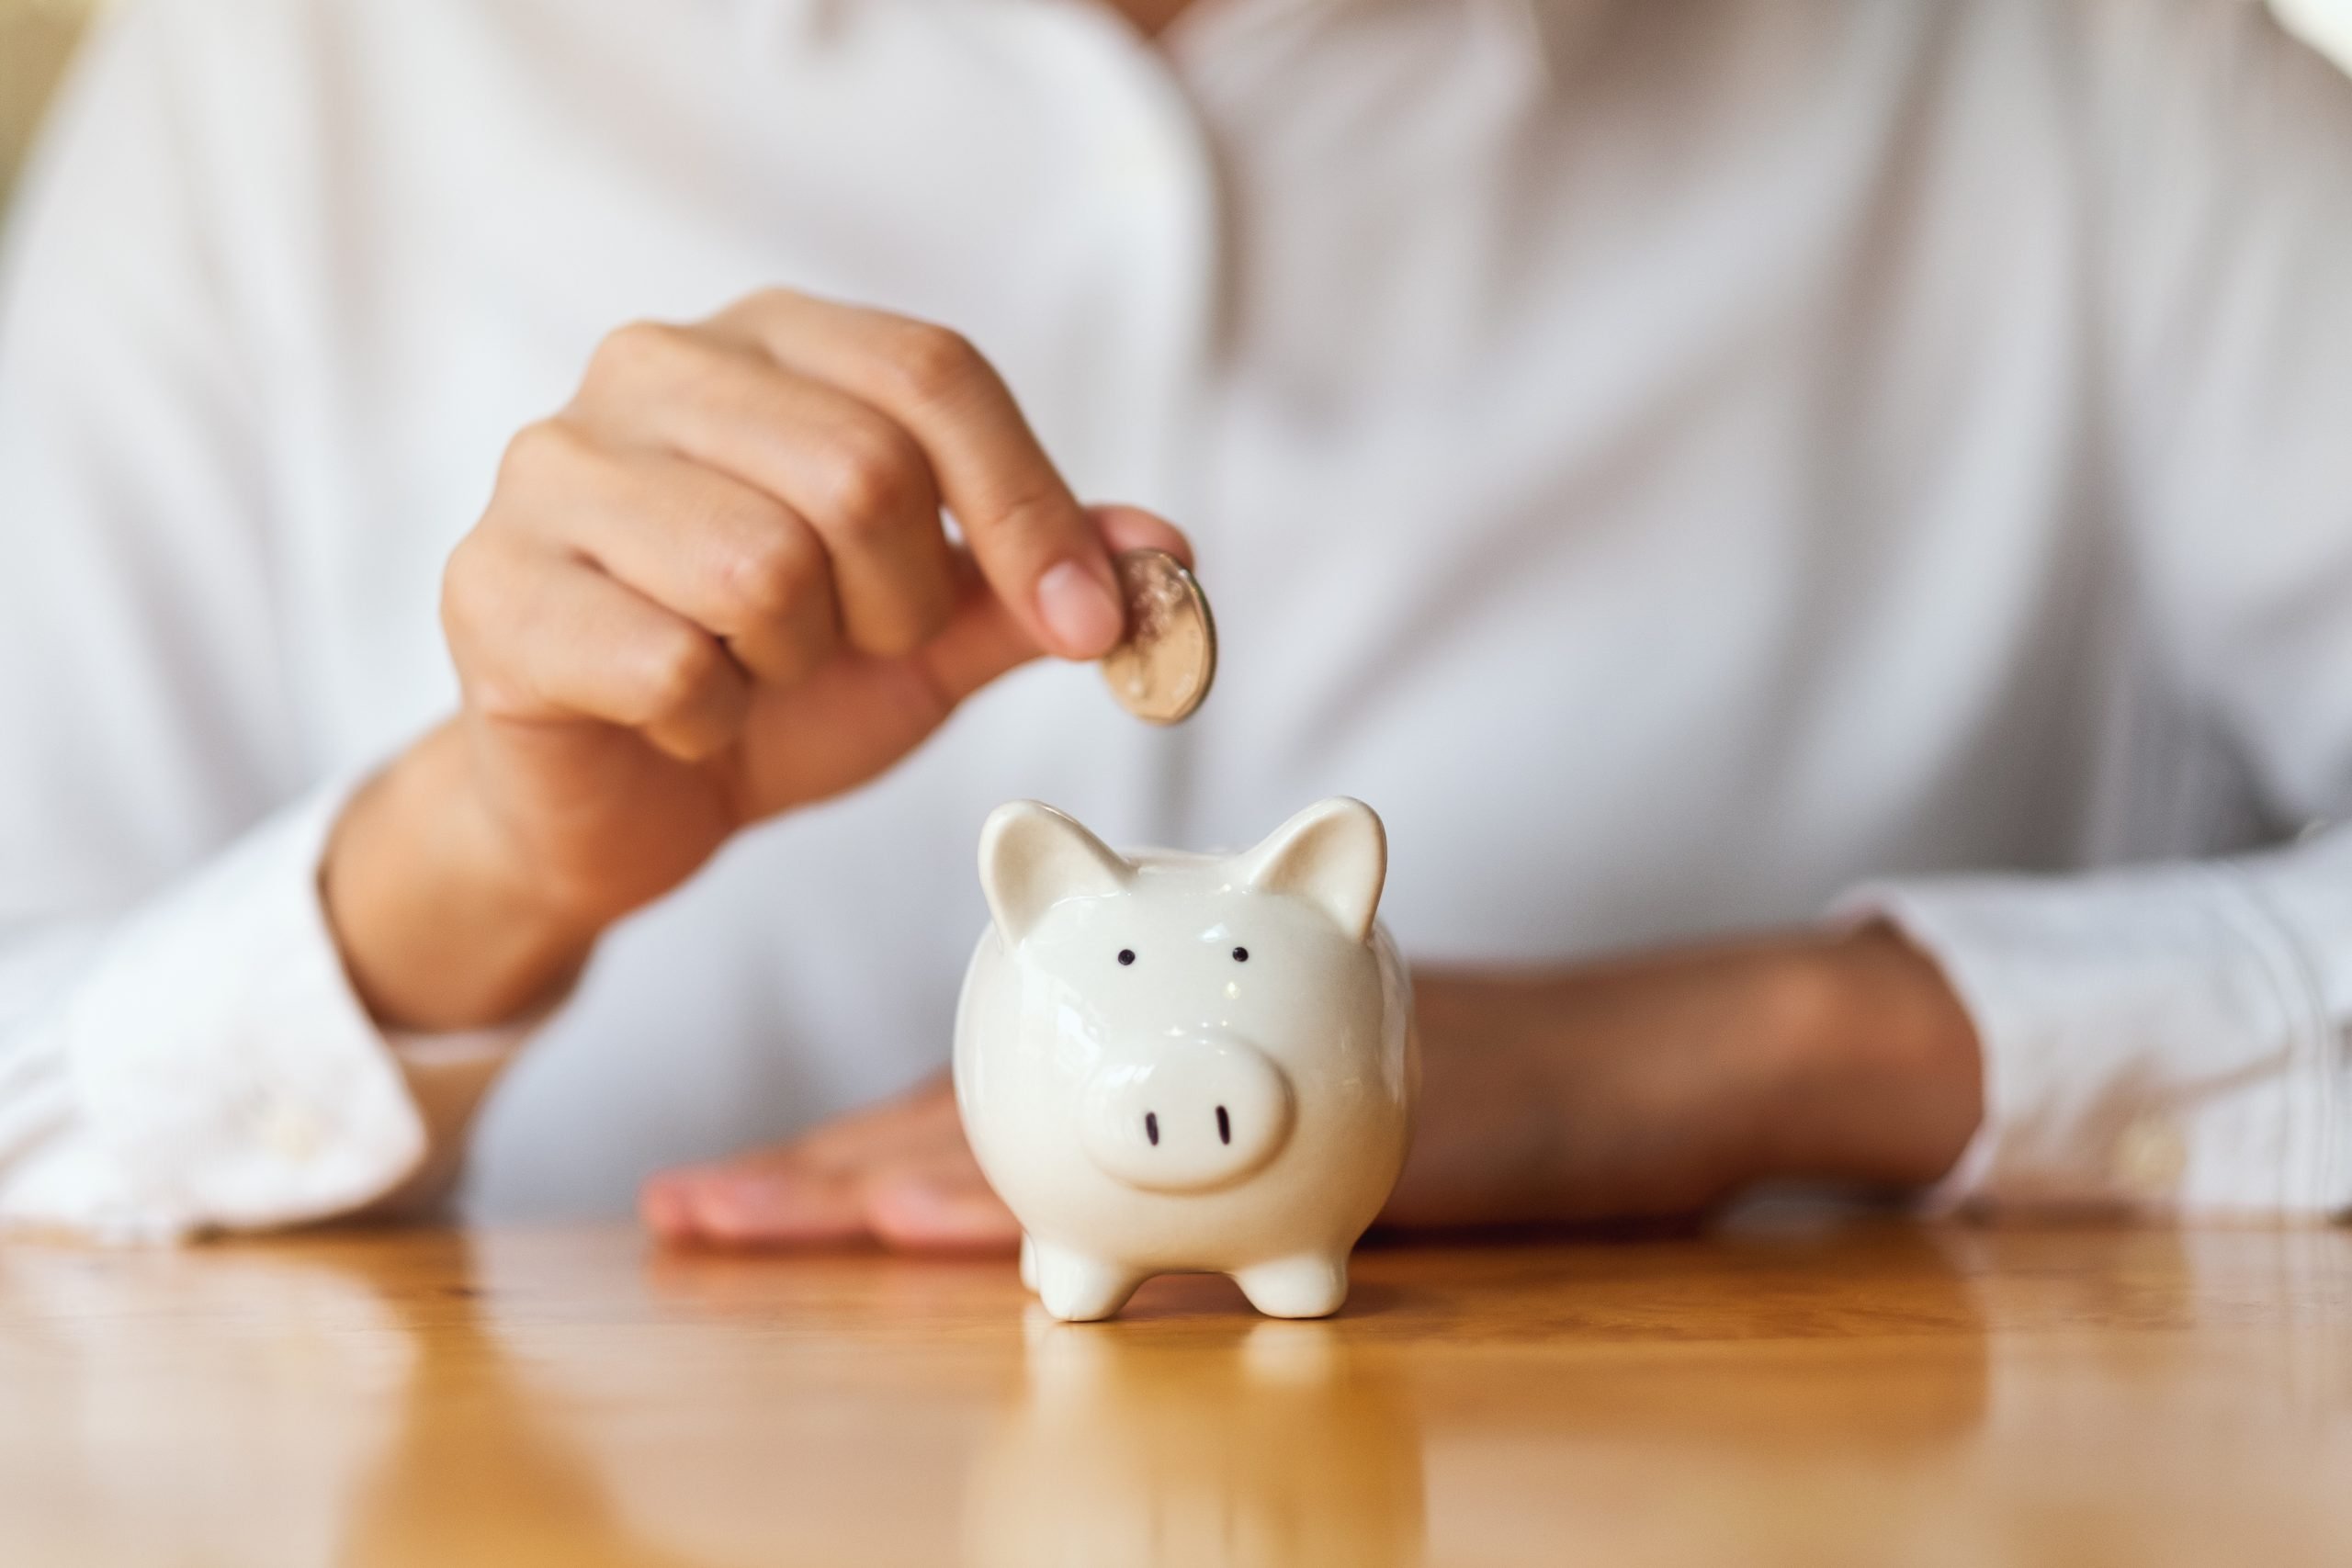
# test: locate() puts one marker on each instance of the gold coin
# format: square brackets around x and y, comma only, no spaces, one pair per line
[1163,669]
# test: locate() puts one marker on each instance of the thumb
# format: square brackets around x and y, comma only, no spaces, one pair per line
[982,640]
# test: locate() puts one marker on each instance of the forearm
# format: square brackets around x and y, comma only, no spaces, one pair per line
[1666,1083]
[436,931]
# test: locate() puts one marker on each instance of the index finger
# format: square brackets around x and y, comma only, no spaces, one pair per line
[1030,537]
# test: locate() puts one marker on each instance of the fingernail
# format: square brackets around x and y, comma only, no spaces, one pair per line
[1081,611]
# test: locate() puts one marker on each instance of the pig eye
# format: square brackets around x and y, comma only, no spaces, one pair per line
[1242,955]
[1126,955]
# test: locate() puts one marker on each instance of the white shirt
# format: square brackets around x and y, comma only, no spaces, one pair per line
[1678,463]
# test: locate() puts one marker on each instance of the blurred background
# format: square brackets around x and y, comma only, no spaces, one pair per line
[36,37]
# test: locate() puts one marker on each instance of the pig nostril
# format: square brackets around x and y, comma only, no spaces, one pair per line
[1224,1126]
[1151,1127]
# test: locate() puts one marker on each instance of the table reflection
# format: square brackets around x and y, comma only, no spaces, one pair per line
[1852,1392]
[180,1407]
[259,1408]
[481,1471]
[1233,1444]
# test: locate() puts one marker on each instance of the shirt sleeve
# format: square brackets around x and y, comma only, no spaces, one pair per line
[2173,1036]
[2165,1037]
[179,1048]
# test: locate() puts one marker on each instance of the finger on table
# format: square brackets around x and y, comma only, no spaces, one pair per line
[775,1204]
[941,1208]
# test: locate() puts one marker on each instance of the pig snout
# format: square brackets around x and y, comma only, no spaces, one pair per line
[1187,1116]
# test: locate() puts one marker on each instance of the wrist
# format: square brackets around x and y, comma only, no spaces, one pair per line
[1876,1071]
[438,924]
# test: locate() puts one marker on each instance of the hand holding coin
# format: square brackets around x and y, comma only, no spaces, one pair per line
[1161,672]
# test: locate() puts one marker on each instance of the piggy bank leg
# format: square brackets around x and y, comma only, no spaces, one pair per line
[1028,1263]
[1310,1285]
[1078,1289]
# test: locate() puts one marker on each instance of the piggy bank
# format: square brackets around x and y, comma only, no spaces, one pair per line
[1177,1062]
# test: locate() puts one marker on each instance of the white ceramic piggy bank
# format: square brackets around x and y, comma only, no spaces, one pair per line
[1176,1063]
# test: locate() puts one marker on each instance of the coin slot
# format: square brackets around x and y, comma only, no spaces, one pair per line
[1151,1126]
[1224,1126]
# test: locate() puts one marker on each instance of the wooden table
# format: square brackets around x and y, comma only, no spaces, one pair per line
[1790,1389]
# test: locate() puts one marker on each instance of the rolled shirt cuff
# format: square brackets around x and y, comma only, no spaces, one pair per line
[223,1073]
[2157,1038]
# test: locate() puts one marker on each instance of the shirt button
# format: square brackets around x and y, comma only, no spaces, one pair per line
[2149,1156]
[291,1130]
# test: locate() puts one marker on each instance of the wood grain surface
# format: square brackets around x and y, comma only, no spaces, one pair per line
[1793,1388]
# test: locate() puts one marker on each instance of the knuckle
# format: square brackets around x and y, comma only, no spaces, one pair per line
[933,364]
[866,478]
[470,588]
[762,303]
[632,352]
[494,697]
[903,634]
[459,572]
[540,451]
[478,591]
[672,670]
[768,574]
[764,316]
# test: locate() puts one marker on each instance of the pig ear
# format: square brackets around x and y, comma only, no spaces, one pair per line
[1033,857]
[1334,854]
